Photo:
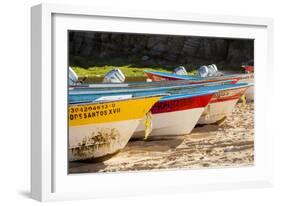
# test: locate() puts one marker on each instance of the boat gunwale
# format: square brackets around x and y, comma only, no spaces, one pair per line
[118,100]
[202,93]
[186,95]
[196,78]
[242,84]
[179,82]
[163,97]
[168,96]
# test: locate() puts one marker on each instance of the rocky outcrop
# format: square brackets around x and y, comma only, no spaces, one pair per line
[163,50]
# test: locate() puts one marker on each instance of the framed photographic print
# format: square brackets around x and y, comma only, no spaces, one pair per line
[138,102]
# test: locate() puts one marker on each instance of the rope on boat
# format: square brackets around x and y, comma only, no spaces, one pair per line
[208,113]
[244,101]
[147,125]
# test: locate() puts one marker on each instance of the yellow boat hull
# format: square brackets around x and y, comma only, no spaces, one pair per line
[99,129]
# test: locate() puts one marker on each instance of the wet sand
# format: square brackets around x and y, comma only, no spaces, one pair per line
[230,144]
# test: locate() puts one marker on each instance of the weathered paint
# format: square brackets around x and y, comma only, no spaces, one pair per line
[97,140]
[229,94]
[100,139]
[96,134]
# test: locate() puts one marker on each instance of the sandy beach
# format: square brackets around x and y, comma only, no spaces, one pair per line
[230,144]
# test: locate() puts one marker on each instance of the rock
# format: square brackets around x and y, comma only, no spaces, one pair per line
[240,51]
[171,57]
[145,58]
[230,149]
[191,46]
[151,42]
[158,49]
[173,50]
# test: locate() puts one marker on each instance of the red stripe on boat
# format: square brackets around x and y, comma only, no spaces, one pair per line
[156,77]
[249,68]
[234,80]
[228,95]
[181,104]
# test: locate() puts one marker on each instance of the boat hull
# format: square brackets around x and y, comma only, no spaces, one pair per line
[155,77]
[249,94]
[97,140]
[215,112]
[221,105]
[175,117]
[99,129]
[171,123]
[236,78]
[162,76]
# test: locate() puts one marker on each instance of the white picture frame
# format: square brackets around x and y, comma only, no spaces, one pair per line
[49,178]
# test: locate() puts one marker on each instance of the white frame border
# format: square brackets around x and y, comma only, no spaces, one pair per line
[42,86]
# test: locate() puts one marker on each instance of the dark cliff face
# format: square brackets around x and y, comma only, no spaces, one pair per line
[146,49]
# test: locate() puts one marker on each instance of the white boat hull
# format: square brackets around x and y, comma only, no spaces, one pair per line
[97,140]
[216,111]
[249,94]
[171,123]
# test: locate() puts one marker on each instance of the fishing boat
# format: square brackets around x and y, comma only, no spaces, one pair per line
[141,85]
[185,108]
[104,126]
[239,78]
[175,114]
[248,78]
[222,104]
[165,76]
[116,79]
[108,88]
[181,110]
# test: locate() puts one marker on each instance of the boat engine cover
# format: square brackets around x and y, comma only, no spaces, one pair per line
[180,70]
[114,76]
[209,71]
[72,77]
[203,71]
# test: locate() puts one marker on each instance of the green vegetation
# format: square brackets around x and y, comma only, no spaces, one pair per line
[132,68]
[100,71]
[96,73]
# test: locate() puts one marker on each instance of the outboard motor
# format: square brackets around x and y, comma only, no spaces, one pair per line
[212,69]
[180,70]
[215,70]
[209,71]
[72,77]
[203,71]
[114,76]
